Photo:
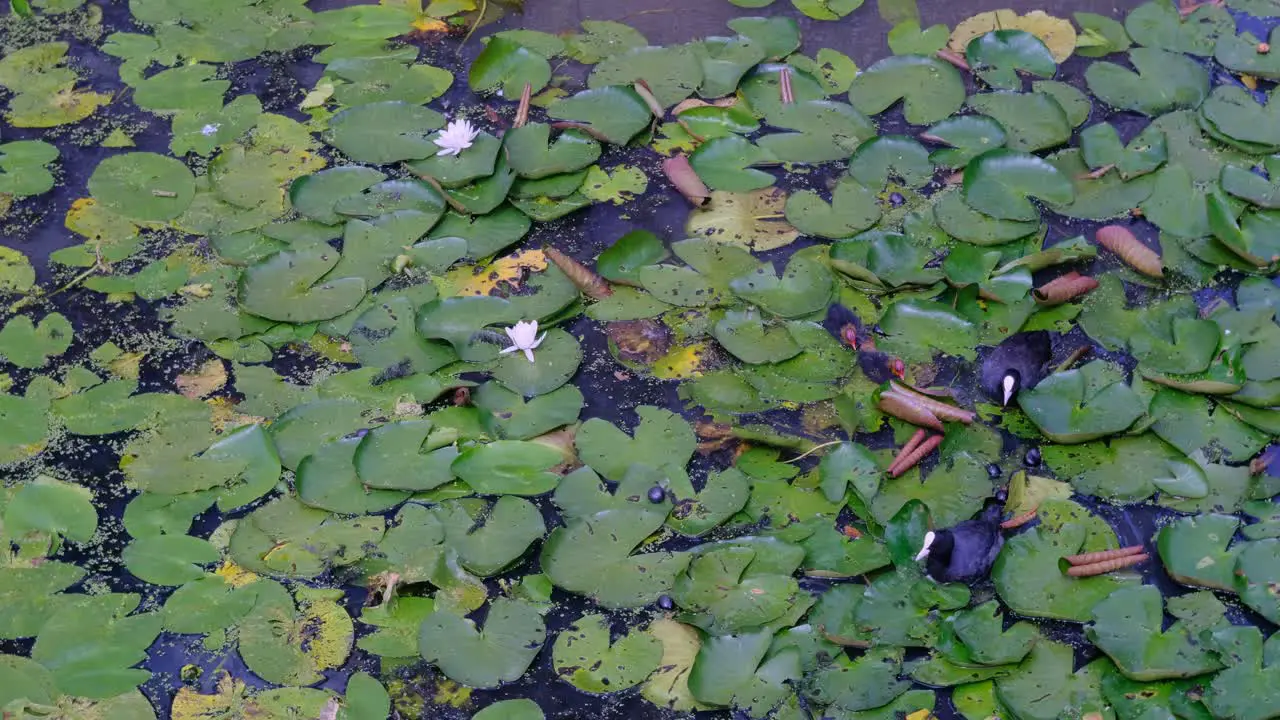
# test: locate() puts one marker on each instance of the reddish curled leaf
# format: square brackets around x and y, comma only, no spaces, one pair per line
[681,174]
[1018,521]
[1092,558]
[1120,241]
[1065,288]
[1106,566]
[940,409]
[1095,174]
[583,277]
[916,456]
[642,89]
[913,443]
[904,408]
[954,58]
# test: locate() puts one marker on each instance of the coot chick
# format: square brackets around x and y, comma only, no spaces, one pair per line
[1016,364]
[965,552]
[845,326]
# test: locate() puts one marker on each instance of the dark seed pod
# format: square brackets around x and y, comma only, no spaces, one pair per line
[1032,457]
[657,494]
[994,471]
[666,603]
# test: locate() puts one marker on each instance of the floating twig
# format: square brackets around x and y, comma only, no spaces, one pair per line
[164,193]
[1097,173]
[646,93]
[788,95]
[954,58]
[843,640]
[1107,566]
[1065,288]
[584,127]
[1093,558]
[682,175]
[1120,241]
[435,184]
[522,112]
[1018,521]
[1073,358]
[906,463]
[813,450]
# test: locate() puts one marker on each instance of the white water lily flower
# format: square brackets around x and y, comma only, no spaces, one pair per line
[524,337]
[456,137]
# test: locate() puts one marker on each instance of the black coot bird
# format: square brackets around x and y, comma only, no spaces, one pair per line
[1017,363]
[965,552]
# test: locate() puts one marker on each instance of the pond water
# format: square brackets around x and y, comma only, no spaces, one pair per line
[262,453]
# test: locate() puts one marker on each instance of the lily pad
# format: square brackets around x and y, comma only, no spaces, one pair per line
[1083,404]
[584,656]
[509,467]
[616,114]
[506,66]
[1256,576]
[929,88]
[1000,55]
[1127,626]
[1032,121]
[290,286]
[891,157]
[1164,81]
[385,132]
[1000,183]
[1158,25]
[1194,551]
[531,156]
[143,186]
[724,163]
[28,345]
[673,73]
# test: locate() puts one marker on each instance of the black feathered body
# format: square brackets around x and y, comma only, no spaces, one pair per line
[1026,353]
[965,552]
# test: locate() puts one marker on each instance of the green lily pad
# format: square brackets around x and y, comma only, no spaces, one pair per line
[90,643]
[661,438]
[1100,146]
[592,556]
[385,132]
[404,456]
[1158,25]
[673,73]
[918,328]
[169,559]
[887,157]
[555,361]
[602,39]
[509,467]
[1248,185]
[1246,689]
[1101,35]
[22,167]
[908,38]
[1000,183]
[725,60]
[207,605]
[722,496]
[490,536]
[1046,685]
[128,185]
[1256,575]
[929,88]
[315,196]
[28,345]
[32,595]
[1164,81]
[289,645]
[1240,53]
[869,682]
[47,505]
[379,80]
[984,639]
[285,537]
[1127,626]
[1082,404]
[1075,103]
[584,657]
[290,287]
[1000,55]
[506,66]
[397,625]
[1232,113]
[762,89]
[739,588]
[327,479]
[616,114]
[967,136]
[824,131]
[954,491]
[1032,121]
[778,36]
[1194,551]
[621,261]
[724,163]
[962,222]
[803,287]
[744,335]
[1026,572]
[531,156]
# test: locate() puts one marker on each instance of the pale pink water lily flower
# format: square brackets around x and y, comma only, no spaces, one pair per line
[524,337]
[456,137]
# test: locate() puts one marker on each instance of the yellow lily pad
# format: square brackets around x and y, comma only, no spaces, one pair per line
[1056,33]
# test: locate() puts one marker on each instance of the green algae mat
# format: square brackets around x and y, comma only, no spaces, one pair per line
[352,365]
